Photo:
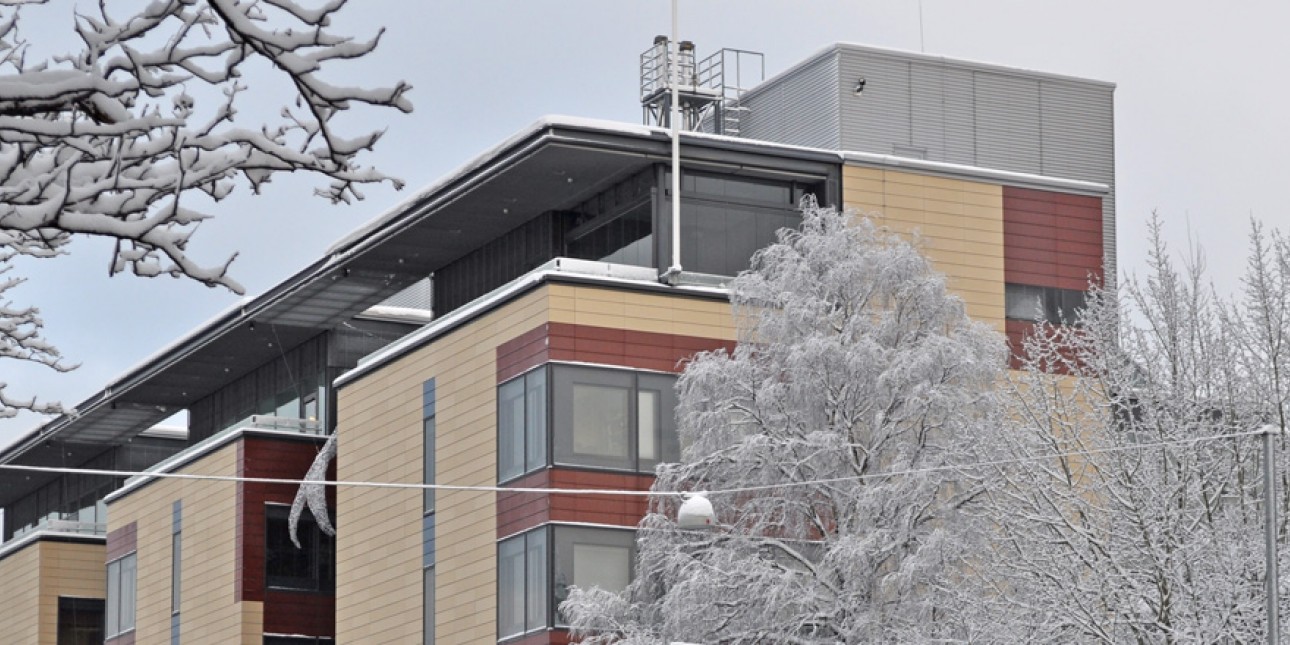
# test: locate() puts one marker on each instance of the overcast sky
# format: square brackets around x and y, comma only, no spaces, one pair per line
[1200,127]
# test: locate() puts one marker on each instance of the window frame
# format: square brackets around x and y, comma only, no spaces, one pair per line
[557,440]
[1055,305]
[555,539]
[320,581]
[73,607]
[529,461]
[115,614]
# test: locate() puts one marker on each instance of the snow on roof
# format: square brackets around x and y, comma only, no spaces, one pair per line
[599,272]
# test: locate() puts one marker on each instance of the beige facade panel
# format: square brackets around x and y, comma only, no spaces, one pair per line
[960,224]
[378,561]
[21,618]
[378,548]
[208,612]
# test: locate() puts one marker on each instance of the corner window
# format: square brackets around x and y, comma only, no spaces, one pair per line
[312,567]
[591,557]
[613,419]
[522,584]
[536,569]
[1043,304]
[80,621]
[121,577]
[521,424]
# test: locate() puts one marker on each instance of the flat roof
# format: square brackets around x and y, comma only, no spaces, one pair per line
[554,162]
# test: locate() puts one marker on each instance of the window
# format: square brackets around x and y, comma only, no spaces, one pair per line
[176,554]
[724,219]
[521,584]
[428,440]
[600,418]
[293,639]
[616,419]
[536,569]
[121,576]
[591,557]
[312,567]
[1049,304]
[521,424]
[427,521]
[80,621]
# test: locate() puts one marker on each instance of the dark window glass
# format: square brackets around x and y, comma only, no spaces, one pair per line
[176,570]
[521,425]
[121,579]
[312,567]
[80,621]
[282,639]
[427,618]
[522,588]
[624,238]
[428,443]
[591,557]
[1044,304]
[510,429]
[510,587]
[613,418]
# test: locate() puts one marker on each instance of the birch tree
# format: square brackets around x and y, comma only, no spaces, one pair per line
[132,134]
[1147,528]
[827,440]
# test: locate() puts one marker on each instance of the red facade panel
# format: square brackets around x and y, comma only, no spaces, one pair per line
[517,512]
[285,612]
[1051,239]
[603,345]
[122,541]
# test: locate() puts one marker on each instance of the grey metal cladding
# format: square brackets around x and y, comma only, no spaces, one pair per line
[800,107]
[1008,123]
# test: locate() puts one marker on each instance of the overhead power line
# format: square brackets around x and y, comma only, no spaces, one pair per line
[620,492]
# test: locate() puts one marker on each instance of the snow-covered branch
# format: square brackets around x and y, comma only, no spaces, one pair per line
[131,132]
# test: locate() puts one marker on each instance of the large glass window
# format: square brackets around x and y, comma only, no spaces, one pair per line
[521,584]
[536,569]
[600,418]
[312,567]
[121,577]
[521,424]
[591,557]
[1046,304]
[80,621]
[616,419]
[725,219]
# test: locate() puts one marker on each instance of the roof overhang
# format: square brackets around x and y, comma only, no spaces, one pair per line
[555,163]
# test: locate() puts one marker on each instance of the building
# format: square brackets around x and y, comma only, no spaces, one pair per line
[547,362]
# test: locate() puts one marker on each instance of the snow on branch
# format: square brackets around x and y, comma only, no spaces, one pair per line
[131,132]
[108,140]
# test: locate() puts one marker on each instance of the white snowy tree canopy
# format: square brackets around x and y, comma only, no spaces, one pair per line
[133,132]
[853,361]
[1149,528]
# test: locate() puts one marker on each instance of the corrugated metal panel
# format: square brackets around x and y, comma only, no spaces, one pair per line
[802,109]
[878,120]
[927,109]
[959,113]
[1007,123]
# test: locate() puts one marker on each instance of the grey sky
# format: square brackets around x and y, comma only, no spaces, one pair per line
[1200,130]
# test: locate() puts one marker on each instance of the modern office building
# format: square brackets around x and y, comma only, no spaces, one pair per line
[539,352]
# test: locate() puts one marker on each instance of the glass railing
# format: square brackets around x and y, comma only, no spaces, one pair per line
[269,422]
[61,525]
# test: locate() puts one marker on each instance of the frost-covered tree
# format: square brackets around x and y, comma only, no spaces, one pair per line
[131,133]
[1148,527]
[827,441]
